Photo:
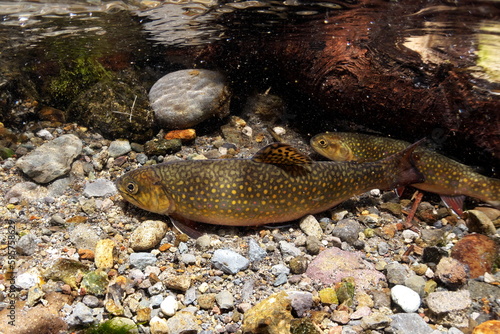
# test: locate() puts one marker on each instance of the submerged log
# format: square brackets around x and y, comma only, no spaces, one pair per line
[363,64]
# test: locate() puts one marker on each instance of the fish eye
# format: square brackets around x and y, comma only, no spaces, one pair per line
[132,188]
[322,142]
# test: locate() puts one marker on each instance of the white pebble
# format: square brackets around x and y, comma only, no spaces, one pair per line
[279,130]
[169,306]
[247,131]
[45,134]
[406,298]
[409,236]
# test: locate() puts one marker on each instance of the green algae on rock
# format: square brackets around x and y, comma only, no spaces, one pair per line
[116,108]
[95,282]
[66,270]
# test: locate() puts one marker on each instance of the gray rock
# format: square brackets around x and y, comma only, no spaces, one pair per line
[225,300]
[432,236]
[383,248]
[449,308]
[255,252]
[190,296]
[397,273]
[310,226]
[404,323]
[142,260]
[27,244]
[406,298]
[279,269]
[52,159]
[119,147]
[141,158]
[45,134]
[182,323]
[185,98]
[347,230]
[147,235]
[182,248]
[99,188]
[301,302]
[280,279]
[81,315]
[187,258]
[58,187]
[90,301]
[156,301]
[84,236]
[25,190]
[229,261]
[289,249]
[417,284]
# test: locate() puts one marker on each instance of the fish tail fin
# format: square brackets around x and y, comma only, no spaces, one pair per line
[406,171]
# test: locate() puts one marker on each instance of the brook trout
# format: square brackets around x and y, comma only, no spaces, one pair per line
[444,176]
[278,184]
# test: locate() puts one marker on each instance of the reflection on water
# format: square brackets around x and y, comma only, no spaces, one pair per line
[466,32]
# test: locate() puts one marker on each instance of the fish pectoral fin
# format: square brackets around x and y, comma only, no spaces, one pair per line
[192,229]
[456,203]
[282,154]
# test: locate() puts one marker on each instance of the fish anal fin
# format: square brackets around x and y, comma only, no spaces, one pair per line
[190,228]
[456,203]
[399,190]
[282,154]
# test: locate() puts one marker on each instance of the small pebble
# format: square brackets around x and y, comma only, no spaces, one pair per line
[119,147]
[255,252]
[169,306]
[142,260]
[406,298]
[148,235]
[311,227]
[229,261]
[225,300]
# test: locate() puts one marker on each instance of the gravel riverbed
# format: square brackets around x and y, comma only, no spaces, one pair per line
[74,254]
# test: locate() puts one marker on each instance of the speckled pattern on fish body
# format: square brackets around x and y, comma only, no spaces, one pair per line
[443,175]
[278,184]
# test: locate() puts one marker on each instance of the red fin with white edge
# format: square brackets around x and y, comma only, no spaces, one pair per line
[456,203]
[399,191]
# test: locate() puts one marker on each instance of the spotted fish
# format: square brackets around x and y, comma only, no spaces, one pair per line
[278,184]
[446,177]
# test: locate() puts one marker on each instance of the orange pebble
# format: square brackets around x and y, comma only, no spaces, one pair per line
[187,134]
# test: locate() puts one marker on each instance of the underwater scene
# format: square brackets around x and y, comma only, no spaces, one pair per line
[267,167]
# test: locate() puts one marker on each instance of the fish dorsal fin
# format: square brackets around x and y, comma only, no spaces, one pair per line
[281,154]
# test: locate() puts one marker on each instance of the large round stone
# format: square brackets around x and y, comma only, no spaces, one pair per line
[185,98]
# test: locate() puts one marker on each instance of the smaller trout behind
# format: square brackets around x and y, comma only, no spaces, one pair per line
[278,184]
[443,176]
